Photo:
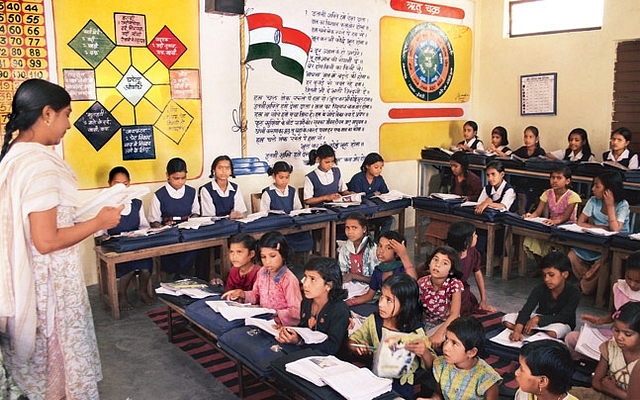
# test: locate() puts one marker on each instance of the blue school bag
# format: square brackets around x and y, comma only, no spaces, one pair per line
[220,228]
[435,204]
[121,244]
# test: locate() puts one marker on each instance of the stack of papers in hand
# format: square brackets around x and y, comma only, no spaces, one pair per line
[232,310]
[355,288]
[392,195]
[309,336]
[348,200]
[445,196]
[589,341]
[503,338]
[580,229]
[112,196]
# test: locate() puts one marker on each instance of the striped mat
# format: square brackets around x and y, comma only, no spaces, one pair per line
[216,363]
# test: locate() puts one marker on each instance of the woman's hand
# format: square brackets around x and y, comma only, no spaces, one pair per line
[109,217]
[286,335]
[235,294]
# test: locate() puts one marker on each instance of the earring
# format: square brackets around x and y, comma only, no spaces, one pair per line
[47,123]
[539,390]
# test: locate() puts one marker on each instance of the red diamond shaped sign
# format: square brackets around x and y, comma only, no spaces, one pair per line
[167,47]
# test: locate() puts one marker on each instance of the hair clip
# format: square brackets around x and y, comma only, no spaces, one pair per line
[616,314]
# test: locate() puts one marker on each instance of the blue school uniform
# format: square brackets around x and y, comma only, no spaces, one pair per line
[360,184]
[299,242]
[224,205]
[128,223]
[321,190]
[176,210]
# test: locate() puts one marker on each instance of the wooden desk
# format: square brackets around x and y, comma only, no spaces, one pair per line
[490,227]
[106,262]
[520,233]
[400,212]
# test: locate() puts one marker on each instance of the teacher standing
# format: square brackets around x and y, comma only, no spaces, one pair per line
[49,348]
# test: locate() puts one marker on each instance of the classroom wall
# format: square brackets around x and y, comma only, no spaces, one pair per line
[584,62]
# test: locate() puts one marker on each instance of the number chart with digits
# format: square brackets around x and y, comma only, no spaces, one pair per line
[23,48]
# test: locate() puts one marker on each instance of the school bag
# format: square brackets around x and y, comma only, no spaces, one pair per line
[120,244]
[221,228]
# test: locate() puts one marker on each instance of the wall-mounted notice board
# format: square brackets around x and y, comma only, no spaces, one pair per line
[538,94]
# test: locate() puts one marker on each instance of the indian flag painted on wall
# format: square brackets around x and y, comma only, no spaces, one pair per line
[287,48]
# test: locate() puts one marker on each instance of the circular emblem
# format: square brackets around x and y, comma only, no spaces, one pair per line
[277,36]
[427,61]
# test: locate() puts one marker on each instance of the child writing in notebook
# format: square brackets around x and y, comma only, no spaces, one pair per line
[463,238]
[357,256]
[276,286]
[322,308]
[171,204]
[545,371]
[618,357]
[441,293]
[220,196]
[499,142]
[393,259]
[132,218]
[551,306]
[460,373]
[244,270]
[578,149]
[558,204]
[619,149]
[399,310]
[606,209]
[471,141]
[498,194]
[324,183]
[531,147]
[624,291]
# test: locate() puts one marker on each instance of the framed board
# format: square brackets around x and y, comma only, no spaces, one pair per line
[538,94]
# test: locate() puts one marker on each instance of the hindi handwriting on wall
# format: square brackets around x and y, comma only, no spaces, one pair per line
[337,99]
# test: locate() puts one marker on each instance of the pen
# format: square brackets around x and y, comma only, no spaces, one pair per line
[363,346]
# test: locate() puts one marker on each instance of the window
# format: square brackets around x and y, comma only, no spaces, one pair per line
[535,17]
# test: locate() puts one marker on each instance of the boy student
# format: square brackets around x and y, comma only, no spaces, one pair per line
[556,301]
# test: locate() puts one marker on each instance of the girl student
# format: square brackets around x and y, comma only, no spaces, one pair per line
[559,204]
[578,150]
[498,193]
[460,373]
[131,218]
[618,357]
[281,196]
[399,310]
[171,204]
[606,209]
[322,308]
[544,372]
[357,256]
[393,259]
[441,293]
[221,197]
[471,141]
[619,149]
[624,291]
[531,144]
[499,142]
[463,238]
[464,183]
[370,182]
[325,182]
[244,270]
[276,286]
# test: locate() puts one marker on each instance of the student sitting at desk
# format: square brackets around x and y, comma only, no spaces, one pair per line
[324,183]
[606,209]
[357,256]
[244,270]
[322,308]
[471,141]
[221,197]
[499,142]
[464,182]
[619,149]
[578,149]
[171,204]
[531,140]
[498,194]
[132,218]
